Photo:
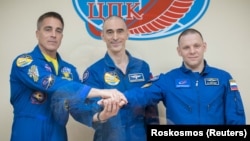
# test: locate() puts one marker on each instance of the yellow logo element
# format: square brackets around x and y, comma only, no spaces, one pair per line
[111,78]
[24,60]
[67,74]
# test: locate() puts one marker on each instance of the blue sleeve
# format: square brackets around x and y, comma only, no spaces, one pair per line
[151,110]
[66,99]
[234,108]
[150,95]
[84,110]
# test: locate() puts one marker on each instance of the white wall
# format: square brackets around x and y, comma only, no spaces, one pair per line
[225,27]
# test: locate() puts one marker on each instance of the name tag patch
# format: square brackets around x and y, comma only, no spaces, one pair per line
[211,81]
[136,77]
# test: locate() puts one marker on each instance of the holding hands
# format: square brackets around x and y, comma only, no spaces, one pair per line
[112,100]
[113,95]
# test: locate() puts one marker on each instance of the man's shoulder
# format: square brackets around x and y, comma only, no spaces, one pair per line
[138,62]
[23,59]
[97,64]
[66,63]
[217,70]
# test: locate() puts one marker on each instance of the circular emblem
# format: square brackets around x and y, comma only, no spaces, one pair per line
[48,81]
[111,78]
[38,97]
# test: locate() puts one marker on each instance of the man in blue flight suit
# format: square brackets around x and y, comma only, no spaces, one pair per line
[42,77]
[195,93]
[119,70]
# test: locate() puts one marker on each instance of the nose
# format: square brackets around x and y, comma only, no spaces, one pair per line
[53,33]
[115,36]
[192,50]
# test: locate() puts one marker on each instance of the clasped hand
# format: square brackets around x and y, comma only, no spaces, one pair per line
[112,100]
[113,96]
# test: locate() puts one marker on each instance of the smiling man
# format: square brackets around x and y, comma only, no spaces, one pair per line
[44,87]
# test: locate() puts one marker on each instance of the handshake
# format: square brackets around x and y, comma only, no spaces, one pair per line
[112,100]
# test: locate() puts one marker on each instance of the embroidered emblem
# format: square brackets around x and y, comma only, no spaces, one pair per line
[38,97]
[48,68]
[155,78]
[111,78]
[136,77]
[233,85]
[67,74]
[85,76]
[33,73]
[48,81]
[24,60]
[184,83]
[211,81]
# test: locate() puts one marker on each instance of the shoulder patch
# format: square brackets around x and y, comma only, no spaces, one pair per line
[85,76]
[149,83]
[24,60]
[33,73]
[154,78]
[233,85]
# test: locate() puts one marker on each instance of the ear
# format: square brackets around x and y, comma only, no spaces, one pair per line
[102,36]
[205,46]
[37,34]
[178,50]
[128,33]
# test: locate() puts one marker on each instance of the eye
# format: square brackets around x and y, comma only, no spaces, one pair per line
[197,46]
[59,30]
[185,47]
[120,31]
[109,32]
[47,28]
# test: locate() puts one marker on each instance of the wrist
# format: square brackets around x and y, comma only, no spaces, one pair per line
[99,119]
[94,93]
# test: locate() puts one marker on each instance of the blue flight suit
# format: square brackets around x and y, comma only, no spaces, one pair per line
[33,81]
[207,98]
[130,123]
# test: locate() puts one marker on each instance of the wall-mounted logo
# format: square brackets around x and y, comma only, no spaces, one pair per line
[146,19]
